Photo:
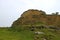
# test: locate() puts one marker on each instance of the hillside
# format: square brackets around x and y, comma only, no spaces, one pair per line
[30,23]
[7,34]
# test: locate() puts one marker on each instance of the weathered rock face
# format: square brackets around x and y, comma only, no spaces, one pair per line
[36,17]
[31,17]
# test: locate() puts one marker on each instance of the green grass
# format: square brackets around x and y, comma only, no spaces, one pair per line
[6,34]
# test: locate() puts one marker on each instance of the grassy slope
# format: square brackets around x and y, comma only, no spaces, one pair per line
[5,34]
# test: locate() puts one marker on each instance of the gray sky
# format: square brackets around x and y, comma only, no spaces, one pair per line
[10,10]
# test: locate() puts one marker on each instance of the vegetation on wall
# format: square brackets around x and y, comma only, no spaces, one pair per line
[36,17]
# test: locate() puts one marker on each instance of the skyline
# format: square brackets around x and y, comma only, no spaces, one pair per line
[11,10]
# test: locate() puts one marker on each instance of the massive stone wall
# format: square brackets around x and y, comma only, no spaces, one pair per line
[37,17]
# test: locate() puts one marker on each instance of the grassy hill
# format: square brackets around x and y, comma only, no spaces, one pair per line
[37,19]
[8,34]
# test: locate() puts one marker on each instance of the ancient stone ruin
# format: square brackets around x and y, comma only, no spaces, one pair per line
[36,18]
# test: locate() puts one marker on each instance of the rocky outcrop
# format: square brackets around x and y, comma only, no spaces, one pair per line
[36,18]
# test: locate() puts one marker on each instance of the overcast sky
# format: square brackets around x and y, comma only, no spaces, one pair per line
[10,10]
